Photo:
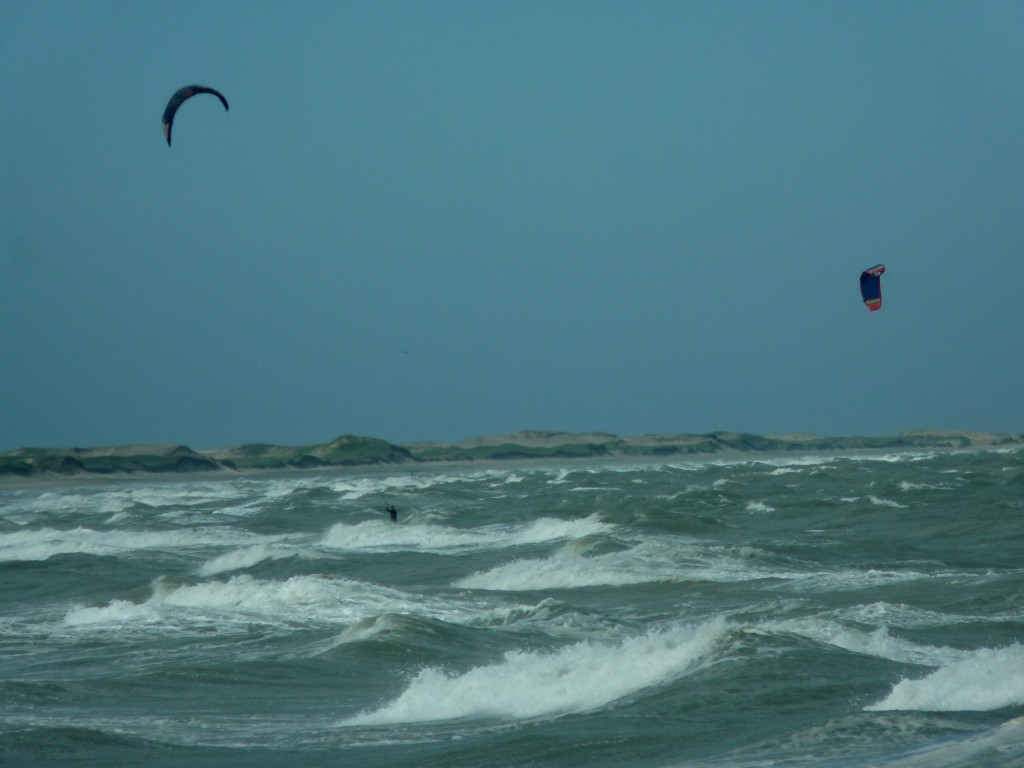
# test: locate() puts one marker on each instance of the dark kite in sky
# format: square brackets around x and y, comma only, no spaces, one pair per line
[179,98]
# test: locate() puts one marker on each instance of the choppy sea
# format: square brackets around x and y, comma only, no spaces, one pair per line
[823,611]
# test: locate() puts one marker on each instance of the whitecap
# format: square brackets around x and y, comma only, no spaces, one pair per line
[577,678]
[648,562]
[44,543]
[246,557]
[878,502]
[378,534]
[878,642]
[985,680]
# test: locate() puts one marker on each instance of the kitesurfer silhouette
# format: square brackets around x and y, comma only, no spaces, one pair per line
[390,509]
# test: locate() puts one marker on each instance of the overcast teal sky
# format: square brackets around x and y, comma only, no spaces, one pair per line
[441,219]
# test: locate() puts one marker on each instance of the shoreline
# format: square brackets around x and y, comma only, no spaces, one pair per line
[43,468]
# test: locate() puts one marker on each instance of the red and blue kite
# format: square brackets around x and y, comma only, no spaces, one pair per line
[871,286]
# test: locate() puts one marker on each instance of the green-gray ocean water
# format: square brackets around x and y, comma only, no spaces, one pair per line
[812,610]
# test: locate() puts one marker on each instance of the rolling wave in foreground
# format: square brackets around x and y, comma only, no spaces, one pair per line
[820,611]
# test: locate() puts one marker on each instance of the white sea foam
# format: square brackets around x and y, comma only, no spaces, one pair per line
[647,562]
[906,485]
[561,477]
[356,487]
[577,678]
[116,612]
[980,680]
[846,579]
[563,571]
[175,496]
[879,502]
[243,598]
[116,503]
[511,614]
[554,529]
[984,680]
[378,534]
[893,458]
[878,643]
[54,506]
[900,615]
[247,557]
[367,629]
[1002,746]
[43,543]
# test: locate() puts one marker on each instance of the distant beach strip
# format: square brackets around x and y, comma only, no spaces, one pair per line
[356,451]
